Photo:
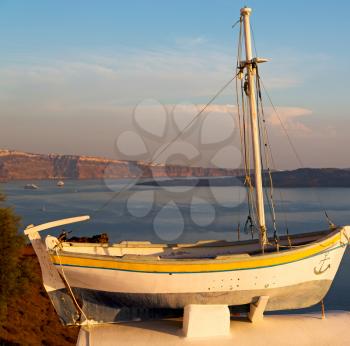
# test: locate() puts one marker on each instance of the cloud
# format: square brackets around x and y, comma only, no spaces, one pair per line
[103,81]
[190,41]
[194,69]
[290,117]
[282,81]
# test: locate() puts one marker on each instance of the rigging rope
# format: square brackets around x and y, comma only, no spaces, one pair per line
[70,289]
[126,187]
[282,125]
[300,162]
[295,152]
[267,152]
[274,167]
[244,128]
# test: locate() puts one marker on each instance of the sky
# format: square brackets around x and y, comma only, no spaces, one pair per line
[120,78]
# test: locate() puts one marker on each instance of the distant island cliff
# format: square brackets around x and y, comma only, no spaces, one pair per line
[302,177]
[17,165]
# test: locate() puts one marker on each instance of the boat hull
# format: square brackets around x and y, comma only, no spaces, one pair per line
[113,294]
[106,307]
[297,296]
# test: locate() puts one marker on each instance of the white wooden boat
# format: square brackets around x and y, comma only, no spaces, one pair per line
[60,183]
[108,278]
[111,282]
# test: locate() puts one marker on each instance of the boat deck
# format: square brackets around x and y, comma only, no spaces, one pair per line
[208,249]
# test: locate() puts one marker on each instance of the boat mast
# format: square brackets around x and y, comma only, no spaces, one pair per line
[251,71]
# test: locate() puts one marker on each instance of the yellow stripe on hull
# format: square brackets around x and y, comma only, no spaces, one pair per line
[201,266]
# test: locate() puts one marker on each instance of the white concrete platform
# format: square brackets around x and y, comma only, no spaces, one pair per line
[206,321]
[304,329]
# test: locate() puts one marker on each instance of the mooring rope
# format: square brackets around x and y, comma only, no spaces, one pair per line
[70,289]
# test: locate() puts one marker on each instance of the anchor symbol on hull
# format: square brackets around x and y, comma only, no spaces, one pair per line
[322,266]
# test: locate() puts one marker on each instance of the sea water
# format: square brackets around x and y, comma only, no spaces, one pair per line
[127,211]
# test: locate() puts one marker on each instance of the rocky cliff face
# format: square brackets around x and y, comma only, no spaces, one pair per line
[15,165]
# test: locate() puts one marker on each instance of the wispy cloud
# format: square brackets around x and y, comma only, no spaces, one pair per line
[191,71]
[289,117]
[191,41]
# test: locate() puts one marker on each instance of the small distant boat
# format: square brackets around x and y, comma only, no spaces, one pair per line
[60,183]
[31,186]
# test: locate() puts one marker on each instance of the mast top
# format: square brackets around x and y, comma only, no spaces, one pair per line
[246,11]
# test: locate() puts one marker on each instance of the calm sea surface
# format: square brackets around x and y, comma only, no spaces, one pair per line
[180,214]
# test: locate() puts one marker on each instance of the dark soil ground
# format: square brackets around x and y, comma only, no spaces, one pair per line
[31,318]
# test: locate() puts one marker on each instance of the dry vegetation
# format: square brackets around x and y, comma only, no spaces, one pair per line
[26,314]
[31,319]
